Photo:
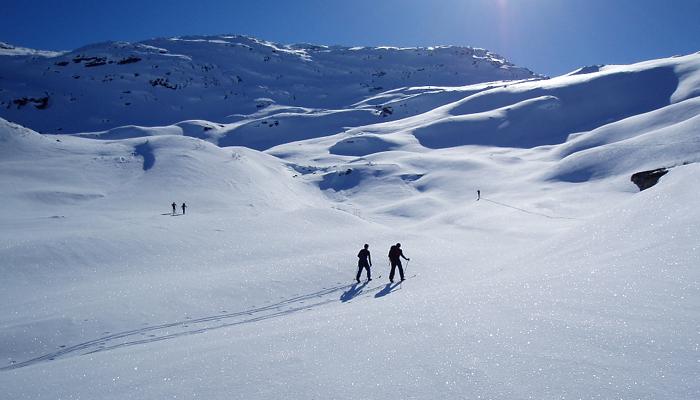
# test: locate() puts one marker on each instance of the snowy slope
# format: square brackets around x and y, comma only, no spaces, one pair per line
[506,113]
[563,281]
[163,81]
[10,50]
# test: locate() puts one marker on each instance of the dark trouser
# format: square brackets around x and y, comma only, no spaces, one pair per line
[360,266]
[394,264]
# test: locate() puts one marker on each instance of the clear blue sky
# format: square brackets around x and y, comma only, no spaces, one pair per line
[548,36]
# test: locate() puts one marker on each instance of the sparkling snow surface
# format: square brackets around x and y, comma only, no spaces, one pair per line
[562,282]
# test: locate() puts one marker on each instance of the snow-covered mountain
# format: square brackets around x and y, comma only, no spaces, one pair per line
[7,49]
[163,81]
[563,280]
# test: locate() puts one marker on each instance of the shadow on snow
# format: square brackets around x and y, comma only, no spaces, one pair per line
[192,326]
[390,287]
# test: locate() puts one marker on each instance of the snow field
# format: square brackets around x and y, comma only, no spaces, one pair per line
[563,281]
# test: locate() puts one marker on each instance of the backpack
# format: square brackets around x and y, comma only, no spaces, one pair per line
[394,252]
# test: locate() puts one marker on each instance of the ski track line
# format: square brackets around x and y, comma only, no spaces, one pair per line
[526,211]
[100,344]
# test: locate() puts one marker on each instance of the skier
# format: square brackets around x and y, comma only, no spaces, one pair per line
[395,254]
[365,261]
[478,195]
[174,207]
[183,208]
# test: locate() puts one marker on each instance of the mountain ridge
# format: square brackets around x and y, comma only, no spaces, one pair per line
[163,81]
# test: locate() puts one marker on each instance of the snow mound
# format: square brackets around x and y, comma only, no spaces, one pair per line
[117,169]
[362,145]
[198,129]
[16,139]
[660,145]
[528,123]
[547,112]
[264,133]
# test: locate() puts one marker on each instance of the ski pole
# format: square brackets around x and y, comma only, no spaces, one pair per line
[407,261]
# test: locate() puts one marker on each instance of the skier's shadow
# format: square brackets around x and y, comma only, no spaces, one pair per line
[387,289]
[353,291]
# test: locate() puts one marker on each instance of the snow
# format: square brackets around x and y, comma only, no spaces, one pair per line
[164,81]
[562,281]
[7,49]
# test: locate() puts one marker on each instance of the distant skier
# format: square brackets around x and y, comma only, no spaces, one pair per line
[174,207]
[478,195]
[183,208]
[364,262]
[395,254]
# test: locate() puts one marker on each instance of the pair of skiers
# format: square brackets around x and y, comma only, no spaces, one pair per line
[183,206]
[365,262]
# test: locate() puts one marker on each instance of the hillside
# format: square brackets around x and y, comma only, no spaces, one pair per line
[163,81]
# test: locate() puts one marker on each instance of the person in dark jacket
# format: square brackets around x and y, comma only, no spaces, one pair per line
[364,262]
[183,208]
[395,255]
[174,207]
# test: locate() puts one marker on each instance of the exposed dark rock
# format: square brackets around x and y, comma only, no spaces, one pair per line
[96,62]
[162,82]
[385,111]
[40,103]
[90,61]
[21,102]
[62,63]
[646,179]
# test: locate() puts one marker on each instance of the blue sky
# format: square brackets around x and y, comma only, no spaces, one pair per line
[548,36]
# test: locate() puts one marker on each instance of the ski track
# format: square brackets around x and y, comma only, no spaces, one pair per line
[186,327]
[526,211]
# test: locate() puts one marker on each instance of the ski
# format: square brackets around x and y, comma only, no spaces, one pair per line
[408,277]
[365,280]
